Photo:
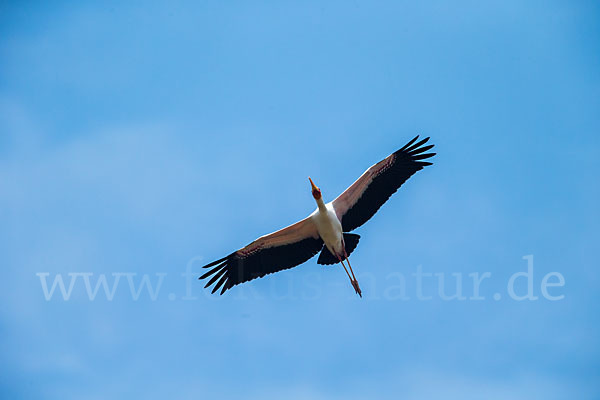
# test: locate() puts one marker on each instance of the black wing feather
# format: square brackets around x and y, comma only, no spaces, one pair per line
[406,162]
[237,268]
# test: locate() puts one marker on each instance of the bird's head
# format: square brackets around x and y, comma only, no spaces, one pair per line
[316,192]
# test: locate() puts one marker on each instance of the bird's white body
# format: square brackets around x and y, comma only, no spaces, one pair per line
[329,227]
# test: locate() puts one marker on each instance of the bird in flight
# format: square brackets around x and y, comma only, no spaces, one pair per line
[327,229]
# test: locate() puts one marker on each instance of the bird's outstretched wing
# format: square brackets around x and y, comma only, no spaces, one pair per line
[363,198]
[275,252]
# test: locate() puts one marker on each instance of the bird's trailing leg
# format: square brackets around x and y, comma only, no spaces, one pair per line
[353,281]
[347,273]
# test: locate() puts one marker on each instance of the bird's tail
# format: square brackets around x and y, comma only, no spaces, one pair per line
[350,240]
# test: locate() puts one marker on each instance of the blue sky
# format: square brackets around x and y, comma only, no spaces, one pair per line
[144,138]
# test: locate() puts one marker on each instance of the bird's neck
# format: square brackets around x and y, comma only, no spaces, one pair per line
[321,204]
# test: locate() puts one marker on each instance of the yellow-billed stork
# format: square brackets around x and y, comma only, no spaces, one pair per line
[326,229]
